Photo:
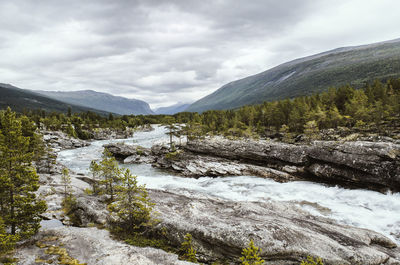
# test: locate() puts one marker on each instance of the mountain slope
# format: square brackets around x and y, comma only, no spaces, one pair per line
[20,99]
[305,76]
[176,108]
[102,101]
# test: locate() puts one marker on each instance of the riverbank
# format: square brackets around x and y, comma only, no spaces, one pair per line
[352,164]
[220,229]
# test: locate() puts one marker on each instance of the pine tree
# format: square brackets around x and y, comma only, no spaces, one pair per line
[66,182]
[110,172]
[95,171]
[18,180]
[311,130]
[50,157]
[186,251]
[251,255]
[132,205]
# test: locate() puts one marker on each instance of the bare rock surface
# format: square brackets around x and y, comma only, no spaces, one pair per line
[286,234]
[90,246]
[371,165]
[60,141]
[220,229]
[374,165]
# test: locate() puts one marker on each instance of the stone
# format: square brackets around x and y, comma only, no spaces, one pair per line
[286,233]
[92,246]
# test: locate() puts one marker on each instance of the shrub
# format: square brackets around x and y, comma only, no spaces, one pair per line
[251,255]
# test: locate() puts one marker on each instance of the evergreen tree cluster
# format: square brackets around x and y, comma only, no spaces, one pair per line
[20,146]
[129,202]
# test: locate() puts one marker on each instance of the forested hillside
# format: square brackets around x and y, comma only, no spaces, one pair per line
[352,65]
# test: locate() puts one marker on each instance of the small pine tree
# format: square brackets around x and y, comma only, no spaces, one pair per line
[186,251]
[49,158]
[95,171]
[66,182]
[311,130]
[110,172]
[251,255]
[310,261]
[287,135]
[132,205]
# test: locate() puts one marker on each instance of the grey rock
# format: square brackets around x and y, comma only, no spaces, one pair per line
[93,246]
[286,233]
[373,165]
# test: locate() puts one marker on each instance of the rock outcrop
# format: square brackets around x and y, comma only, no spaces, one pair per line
[60,141]
[373,165]
[220,229]
[89,246]
[286,234]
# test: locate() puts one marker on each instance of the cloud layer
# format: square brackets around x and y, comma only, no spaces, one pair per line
[169,51]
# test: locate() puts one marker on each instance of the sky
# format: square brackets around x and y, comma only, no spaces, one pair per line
[165,52]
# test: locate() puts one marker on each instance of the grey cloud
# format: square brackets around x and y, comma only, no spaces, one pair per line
[164,51]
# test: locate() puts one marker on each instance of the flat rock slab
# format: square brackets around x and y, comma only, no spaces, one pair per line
[286,233]
[93,247]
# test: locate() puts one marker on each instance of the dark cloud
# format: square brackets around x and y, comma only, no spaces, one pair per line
[179,50]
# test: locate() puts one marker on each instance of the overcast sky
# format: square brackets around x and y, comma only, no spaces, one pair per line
[166,52]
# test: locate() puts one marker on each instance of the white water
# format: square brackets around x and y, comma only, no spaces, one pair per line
[361,208]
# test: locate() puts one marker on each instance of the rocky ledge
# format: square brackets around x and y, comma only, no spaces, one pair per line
[371,165]
[58,140]
[286,233]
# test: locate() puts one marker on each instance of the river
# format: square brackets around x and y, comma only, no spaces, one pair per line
[360,208]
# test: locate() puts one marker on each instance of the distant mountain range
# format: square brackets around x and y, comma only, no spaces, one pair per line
[350,65]
[20,99]
[176,108]
[102,101]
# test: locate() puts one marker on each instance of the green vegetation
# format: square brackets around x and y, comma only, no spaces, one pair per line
[186,251]
[19,209]
[129,204]
[345,106]
[310,261]
[251,255]
[132,207]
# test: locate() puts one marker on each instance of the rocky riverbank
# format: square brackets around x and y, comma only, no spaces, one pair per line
[220,229]
[371,165]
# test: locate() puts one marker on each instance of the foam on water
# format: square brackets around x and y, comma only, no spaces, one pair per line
[361,208]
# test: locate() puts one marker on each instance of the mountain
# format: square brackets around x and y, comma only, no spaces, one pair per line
[176,108]
[21,99]
[355,65]
[102,101]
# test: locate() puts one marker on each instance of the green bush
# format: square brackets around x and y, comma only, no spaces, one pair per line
[310,261]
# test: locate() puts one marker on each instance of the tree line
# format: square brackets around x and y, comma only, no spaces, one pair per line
[342,106]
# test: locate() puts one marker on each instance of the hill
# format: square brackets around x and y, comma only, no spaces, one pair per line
[102,101]
[20,99]
[176,108]
[350,65]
